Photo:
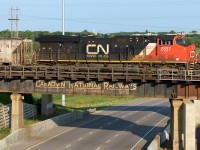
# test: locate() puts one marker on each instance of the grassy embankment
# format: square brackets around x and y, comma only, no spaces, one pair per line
[73,103]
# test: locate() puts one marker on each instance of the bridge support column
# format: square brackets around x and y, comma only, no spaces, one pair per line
[176,124]
[189,125]
[17,121]
[197,111]
[182,124]
[47,106]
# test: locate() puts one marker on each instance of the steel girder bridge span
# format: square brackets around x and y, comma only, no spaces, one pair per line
[182,87]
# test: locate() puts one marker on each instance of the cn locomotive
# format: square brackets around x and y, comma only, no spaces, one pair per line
[150,52]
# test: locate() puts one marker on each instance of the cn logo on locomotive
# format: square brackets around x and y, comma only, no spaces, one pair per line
[94,49]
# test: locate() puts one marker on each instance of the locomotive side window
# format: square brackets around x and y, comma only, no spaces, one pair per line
[180,41]
[145,39]
[170,42]
[162,42]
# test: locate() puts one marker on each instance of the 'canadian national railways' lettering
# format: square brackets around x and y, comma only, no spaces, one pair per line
[50,84]
[86,85]
[82,85]
[119,86]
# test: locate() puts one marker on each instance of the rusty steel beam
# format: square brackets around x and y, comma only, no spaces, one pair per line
[188,91]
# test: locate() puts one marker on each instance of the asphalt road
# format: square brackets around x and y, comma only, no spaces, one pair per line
[127,127]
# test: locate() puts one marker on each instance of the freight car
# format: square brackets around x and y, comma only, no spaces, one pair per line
[15,51]
[147,52]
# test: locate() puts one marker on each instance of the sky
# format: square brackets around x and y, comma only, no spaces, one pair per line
[104,16]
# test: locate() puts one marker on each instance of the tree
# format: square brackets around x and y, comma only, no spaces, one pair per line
[172,32]
[194,31]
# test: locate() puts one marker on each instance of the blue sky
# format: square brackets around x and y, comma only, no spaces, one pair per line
[103,15]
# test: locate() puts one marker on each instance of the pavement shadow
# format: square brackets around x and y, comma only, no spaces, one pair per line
[116,123]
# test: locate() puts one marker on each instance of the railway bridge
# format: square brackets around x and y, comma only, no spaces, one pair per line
[182,87]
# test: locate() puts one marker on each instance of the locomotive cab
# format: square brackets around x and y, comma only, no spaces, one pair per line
[174,48]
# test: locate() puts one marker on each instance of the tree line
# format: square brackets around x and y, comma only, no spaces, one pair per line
[191,38]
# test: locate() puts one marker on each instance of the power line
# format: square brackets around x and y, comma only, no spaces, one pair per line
[112,18]
[14,19]
[113,24]
[106,20]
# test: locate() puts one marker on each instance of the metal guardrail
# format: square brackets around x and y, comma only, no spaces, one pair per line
[94,73]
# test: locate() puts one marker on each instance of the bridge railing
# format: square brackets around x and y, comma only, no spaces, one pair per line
[178,75]
[96,73]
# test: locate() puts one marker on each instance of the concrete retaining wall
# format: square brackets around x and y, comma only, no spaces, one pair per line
[41,127]
[159,139]
[155,144]
[165,135]
[12,138]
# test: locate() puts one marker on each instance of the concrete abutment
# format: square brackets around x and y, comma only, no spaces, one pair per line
[189,137]
[182,123]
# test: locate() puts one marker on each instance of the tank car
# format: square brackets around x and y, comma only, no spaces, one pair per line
[153,51]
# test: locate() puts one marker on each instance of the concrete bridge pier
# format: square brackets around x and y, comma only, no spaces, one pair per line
[17,119]
[47,105]
[197,111]
[17,116]
[182,134]
[176,124]
[189,125]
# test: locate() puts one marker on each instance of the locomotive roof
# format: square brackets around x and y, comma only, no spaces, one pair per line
[63,38]
[166,37]
[58,38]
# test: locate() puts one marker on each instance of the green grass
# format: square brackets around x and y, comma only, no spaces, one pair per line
[30,121]
[86,101]
[4,132]
[81,103]
[76,101]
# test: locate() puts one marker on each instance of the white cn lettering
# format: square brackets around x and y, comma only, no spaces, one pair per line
[98,48]
[104,51]
[88,49]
